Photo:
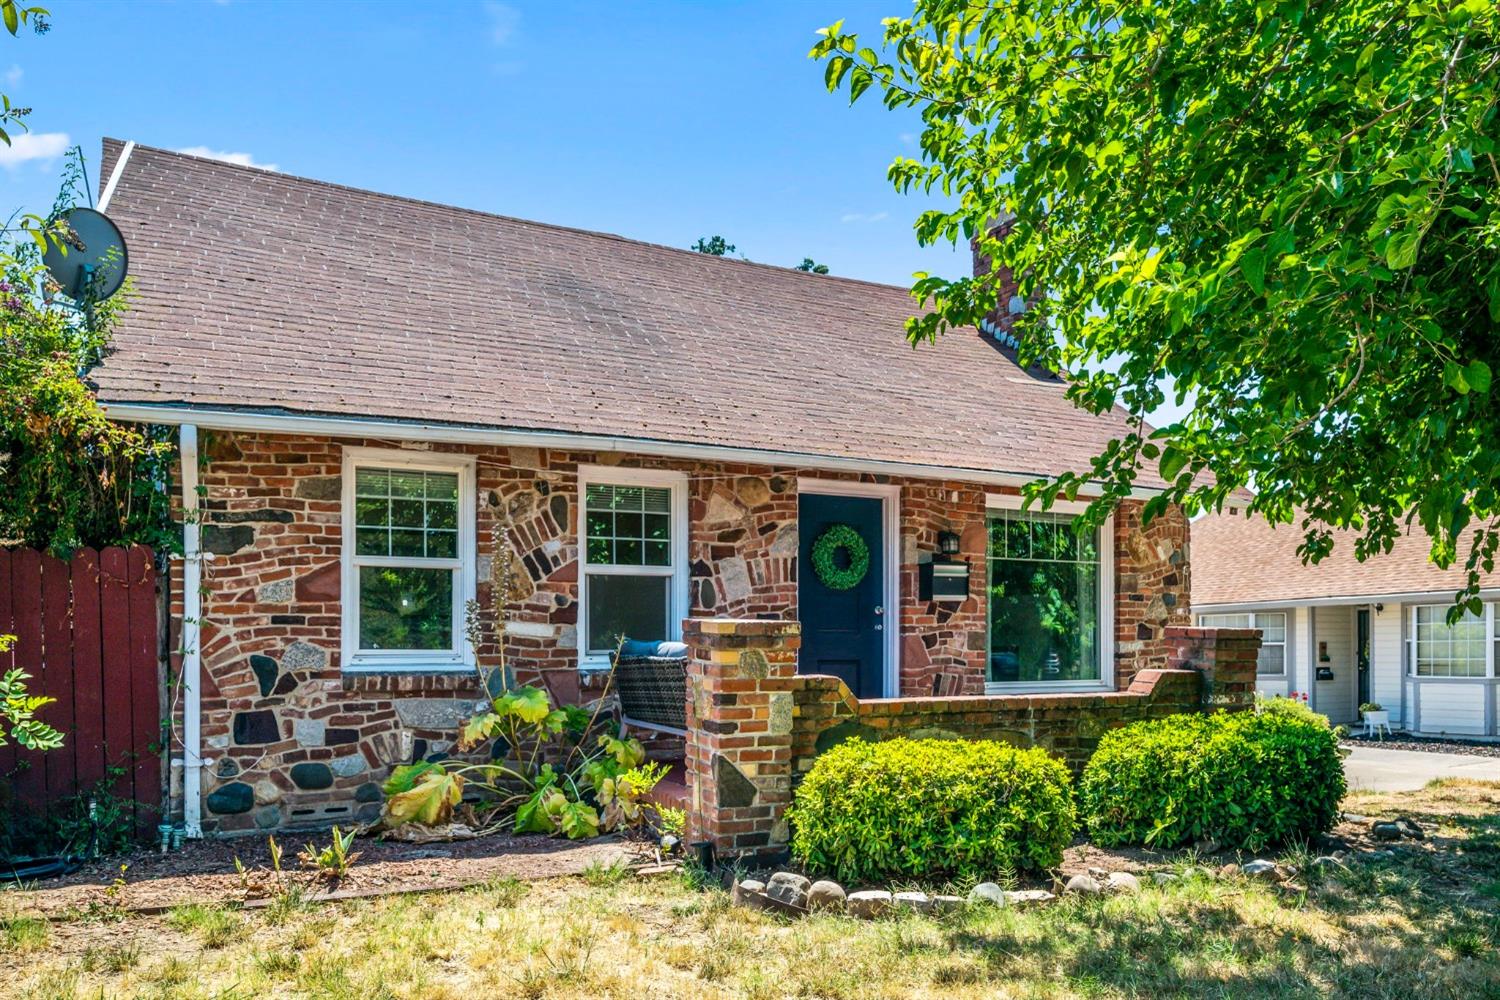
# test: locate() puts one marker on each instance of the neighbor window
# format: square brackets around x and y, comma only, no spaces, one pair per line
[634,551]
[1047,607]
[1443,650]
[408,559]
[1272,625]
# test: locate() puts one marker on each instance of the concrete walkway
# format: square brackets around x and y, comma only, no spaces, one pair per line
[1375,770]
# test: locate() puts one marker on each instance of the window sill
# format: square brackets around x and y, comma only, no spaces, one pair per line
[1049,687]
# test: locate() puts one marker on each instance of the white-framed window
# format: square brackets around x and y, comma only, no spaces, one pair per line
[633,558]
[1272,625]
[1463,649]
[1050,591]
[408,559]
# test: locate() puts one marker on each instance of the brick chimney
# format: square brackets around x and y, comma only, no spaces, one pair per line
[998,322]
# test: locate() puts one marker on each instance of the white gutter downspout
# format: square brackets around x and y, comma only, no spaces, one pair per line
[192,610]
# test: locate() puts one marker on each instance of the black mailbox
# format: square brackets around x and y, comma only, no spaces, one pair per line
[945,581]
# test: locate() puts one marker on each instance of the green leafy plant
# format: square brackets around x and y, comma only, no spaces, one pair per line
[1247,780]
[548,781]
[332,862]
[1284,214]
[1370,706]
[1291,708]
[69,476]
[552,770]
[18,709]
[931,807]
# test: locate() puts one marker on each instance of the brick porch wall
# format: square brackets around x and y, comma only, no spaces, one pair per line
[756,726]
[294,741]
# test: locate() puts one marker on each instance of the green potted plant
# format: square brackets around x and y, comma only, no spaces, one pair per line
[1375,717]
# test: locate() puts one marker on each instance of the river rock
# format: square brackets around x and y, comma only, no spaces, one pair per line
[826,895]
[1084,885]
[869,903]
[987,892]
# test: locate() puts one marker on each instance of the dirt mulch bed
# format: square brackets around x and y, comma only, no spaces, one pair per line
[204,872]
[1473,748]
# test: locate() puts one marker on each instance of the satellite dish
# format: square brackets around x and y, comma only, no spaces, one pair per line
[93,269]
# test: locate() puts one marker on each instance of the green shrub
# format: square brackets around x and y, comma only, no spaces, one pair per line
[1247,780]
[924,807]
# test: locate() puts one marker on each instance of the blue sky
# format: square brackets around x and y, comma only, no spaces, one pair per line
[662,121]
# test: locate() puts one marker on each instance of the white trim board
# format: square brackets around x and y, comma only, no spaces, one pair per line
[1409,597]
[890,519]
[680,604]
[460,655]
[397,430]
[1106,597]
[115,175]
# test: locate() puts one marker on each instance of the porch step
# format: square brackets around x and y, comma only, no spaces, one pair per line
[673,789]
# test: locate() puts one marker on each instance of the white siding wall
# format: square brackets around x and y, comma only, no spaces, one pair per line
[1386,660]
[1336,698]
[1452,707]
[1298,678]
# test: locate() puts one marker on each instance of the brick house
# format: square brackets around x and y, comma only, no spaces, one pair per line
[367,385]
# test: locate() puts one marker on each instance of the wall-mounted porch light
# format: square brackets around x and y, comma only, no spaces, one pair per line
[947,543]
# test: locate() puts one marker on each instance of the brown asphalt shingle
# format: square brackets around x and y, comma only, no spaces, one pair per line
[1242,560]
[260,290]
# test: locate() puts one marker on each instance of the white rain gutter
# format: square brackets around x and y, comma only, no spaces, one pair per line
[192,611]
[279,423]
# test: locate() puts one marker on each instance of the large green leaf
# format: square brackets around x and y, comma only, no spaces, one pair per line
[430,800]
[529,704]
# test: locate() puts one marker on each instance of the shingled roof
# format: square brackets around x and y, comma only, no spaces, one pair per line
[1239,560]
[262,292]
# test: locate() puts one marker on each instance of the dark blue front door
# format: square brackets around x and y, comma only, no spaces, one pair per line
[842,630]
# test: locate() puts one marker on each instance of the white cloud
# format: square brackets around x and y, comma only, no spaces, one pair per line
[13,76]
[504,20]
[242,159]
[27,147]
[908,138]
[849,217]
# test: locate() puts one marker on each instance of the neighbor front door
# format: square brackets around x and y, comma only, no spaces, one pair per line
[843,627]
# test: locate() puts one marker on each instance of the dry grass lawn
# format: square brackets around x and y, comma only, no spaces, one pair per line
[1424,923]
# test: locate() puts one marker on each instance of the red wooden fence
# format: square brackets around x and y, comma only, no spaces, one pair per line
[86,632]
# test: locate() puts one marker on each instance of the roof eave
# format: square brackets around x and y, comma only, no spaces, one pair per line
[257,420]
[1405,597]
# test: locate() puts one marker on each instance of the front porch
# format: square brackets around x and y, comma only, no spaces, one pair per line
[755,725]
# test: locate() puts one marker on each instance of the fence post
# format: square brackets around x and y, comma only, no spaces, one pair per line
[739,722]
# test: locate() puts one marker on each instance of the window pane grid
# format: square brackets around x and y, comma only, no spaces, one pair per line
[628,525]
[1272,626]
[1444,650]
[1040,536]
[1044,599]
[405,513]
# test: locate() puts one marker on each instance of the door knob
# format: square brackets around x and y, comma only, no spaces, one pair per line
[879,610]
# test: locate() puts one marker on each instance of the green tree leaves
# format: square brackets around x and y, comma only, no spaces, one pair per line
[1287,213]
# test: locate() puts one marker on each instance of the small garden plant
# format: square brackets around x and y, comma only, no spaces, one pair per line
[927,807]
[1248,780]
[553,770]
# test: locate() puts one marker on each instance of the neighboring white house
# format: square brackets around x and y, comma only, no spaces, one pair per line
[1342,632]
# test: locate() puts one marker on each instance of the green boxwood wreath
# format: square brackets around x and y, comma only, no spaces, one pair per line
[827,545]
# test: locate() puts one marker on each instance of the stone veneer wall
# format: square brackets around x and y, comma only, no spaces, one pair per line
[756,727]
[294,741]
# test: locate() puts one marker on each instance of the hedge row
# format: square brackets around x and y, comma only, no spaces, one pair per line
[977,808]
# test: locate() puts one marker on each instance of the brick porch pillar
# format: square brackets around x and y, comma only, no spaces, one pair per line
[1226,657]
[739,722]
